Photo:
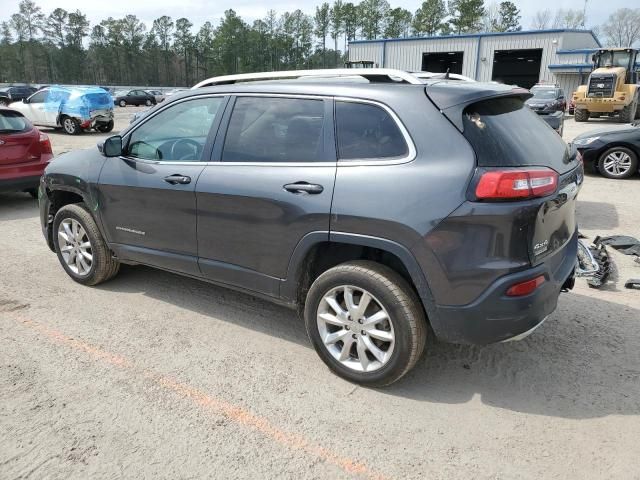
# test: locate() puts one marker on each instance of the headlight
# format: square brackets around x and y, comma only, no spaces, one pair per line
[585,141]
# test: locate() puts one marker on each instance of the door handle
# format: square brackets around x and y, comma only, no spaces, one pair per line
[177,179]
[304,187]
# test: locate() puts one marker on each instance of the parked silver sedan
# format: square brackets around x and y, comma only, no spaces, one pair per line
[159,96]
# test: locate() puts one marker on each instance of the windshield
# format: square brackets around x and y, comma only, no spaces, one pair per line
[12,122]
[614,59]
[121,93]
[544,93]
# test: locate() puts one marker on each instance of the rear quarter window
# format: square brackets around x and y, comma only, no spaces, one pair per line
[505,133]
[366,131]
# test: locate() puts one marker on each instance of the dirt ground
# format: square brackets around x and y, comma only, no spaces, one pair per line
[157,376]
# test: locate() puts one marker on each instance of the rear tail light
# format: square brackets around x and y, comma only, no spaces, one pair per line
[516,184]
[45,144]
[525,288]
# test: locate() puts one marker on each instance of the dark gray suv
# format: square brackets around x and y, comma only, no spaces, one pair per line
[381,208]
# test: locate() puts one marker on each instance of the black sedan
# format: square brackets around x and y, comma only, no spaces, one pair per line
[134,97]
[15,93]
[613,153]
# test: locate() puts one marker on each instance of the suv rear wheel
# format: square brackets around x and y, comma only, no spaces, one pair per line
[365,322]
[81,250]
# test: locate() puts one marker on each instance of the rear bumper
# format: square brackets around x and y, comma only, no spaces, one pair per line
[601,105]
[495,317]
[19,184]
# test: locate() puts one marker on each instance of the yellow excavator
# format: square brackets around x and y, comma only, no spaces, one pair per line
[612,87]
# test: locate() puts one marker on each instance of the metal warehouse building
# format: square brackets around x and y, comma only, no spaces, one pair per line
[519,58]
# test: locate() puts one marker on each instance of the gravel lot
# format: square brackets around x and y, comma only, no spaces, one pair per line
[157,376]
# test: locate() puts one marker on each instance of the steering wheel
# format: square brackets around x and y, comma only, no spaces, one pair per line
[185,143]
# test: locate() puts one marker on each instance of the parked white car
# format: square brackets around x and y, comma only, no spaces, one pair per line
[158,95]
[73,109]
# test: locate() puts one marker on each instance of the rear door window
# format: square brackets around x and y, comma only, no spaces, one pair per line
[366,131]
[268,129]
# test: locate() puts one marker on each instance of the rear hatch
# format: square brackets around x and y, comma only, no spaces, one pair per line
[508,137]
[18,139]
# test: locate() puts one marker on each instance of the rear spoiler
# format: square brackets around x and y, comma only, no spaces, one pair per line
[452,98]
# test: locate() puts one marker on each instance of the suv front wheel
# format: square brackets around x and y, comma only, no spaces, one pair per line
[83,253]
[365,322]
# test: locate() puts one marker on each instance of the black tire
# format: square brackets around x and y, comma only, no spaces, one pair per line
[71,126]
[628,113]
[629,173]
[105,127]
[581,115]
[103,265]
[396,296]
[122,103]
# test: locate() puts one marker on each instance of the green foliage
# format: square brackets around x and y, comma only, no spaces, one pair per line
[508,18]
[398,23]
[372,15]
[429,18]
[466,15]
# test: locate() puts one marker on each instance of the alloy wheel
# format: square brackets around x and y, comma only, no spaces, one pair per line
[75,246]
[617,163]
[69,125]
[355,328]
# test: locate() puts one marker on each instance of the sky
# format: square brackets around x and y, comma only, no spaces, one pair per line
[199,11]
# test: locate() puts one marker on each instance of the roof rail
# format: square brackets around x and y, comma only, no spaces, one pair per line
[372,74]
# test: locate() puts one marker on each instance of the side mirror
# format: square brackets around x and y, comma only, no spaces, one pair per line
[24,100]
[593,57]
[112,146]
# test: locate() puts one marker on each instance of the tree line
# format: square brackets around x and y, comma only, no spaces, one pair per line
[63,47]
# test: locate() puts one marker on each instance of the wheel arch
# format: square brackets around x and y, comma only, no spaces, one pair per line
[319,251]
[58,197]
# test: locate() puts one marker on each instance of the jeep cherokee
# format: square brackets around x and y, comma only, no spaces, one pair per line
[378,207]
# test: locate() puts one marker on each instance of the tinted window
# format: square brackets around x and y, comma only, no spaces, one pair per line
[504,132]
[275,130]
[38,97]
[367,131]
[13,122]
[177,133]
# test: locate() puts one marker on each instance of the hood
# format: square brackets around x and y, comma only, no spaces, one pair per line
[607,131]
[615,70]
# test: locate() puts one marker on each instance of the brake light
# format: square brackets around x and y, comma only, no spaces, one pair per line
[516,184]
[525,288]
[45,144]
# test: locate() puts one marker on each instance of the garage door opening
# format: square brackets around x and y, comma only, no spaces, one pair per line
[517,67]
[441,61]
